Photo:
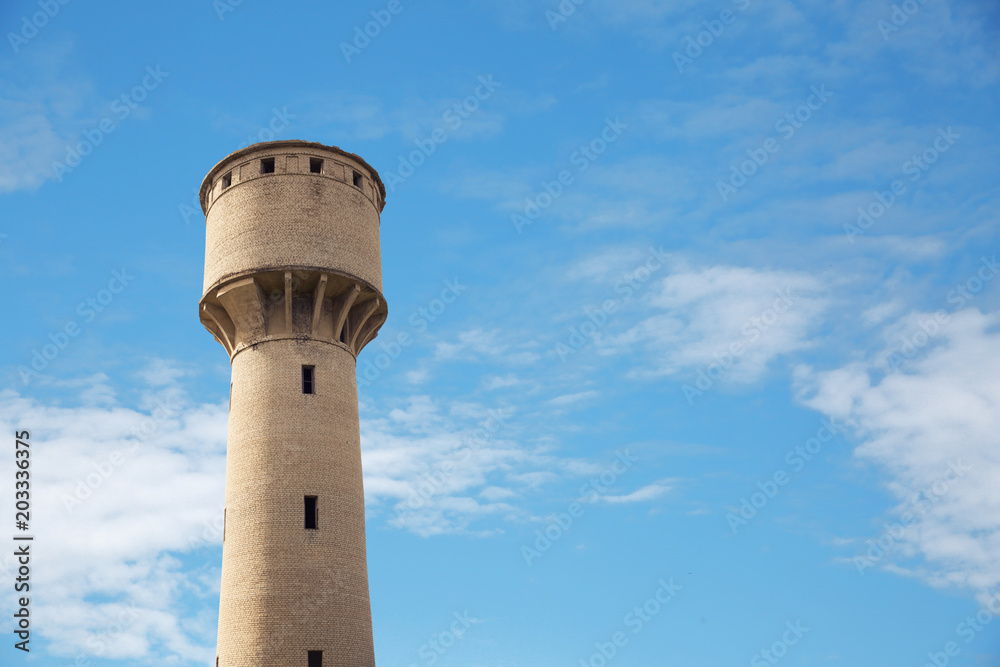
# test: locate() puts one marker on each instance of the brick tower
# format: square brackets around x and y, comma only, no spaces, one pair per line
[293,291]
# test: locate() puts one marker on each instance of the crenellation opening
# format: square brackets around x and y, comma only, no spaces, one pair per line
[267,165]
[227,180]
[357,180]
[315,165]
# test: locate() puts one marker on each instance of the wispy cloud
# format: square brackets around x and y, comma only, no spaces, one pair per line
[644,494]
[700,314]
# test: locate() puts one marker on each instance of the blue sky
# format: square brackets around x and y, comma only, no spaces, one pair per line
[721,325]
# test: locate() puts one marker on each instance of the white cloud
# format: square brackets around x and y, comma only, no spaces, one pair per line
[941,411]
[703,313]
[645,494]
[115,491]
[570,399]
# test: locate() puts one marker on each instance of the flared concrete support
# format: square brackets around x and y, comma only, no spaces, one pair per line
[303,304]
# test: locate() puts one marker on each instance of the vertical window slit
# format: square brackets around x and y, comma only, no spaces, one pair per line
[308,379]
[312,513]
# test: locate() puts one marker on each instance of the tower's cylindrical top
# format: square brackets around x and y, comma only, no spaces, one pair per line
[292,205]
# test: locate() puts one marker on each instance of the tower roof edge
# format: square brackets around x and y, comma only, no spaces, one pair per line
[292,143]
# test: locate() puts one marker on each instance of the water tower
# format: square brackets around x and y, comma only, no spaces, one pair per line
[293,292]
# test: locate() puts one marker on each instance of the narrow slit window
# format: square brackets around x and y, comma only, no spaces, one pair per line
[357,180]
[312,513]
[308,379]
[315,658]
[315,165]
[227,180]
[267,165]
